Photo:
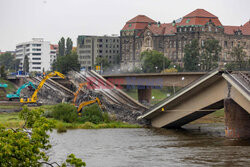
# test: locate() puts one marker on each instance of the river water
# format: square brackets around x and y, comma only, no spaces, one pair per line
[196,145]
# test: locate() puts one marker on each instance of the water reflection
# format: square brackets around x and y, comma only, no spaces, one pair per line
[191,146]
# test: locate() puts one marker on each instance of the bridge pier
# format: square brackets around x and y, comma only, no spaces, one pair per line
[237,120]
[144,94]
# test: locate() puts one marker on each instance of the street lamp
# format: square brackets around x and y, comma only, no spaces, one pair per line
[182,79]
[156,69]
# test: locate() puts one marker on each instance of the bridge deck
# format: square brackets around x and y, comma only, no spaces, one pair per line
[198,99]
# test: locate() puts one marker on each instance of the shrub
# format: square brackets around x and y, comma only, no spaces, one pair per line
[61,128]
[93,114]
[65,112]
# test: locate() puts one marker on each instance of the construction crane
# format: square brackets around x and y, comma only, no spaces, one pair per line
[78,91]
[85,103]
[16,95]
[33,98]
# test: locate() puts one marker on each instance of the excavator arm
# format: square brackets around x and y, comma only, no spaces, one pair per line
[83,104]
[17,94]
[33,98]
[78,91]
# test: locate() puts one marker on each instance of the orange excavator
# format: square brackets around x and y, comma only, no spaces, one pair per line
[84,103]
[78,91]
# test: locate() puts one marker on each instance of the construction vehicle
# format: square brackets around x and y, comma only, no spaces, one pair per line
[78,91]
[16,94]
[3,85]
[33,98]
[85,103]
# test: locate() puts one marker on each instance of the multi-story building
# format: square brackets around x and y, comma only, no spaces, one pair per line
[39,52]
[91,47]
[142,33]
[53,54]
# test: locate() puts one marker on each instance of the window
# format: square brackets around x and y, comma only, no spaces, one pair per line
[36,54]
[84,51]
[34,58]
[99,40]
[38,63]
[209,28]
[88,41]
[225,44]
[36,45]
[36,68]
[35,49]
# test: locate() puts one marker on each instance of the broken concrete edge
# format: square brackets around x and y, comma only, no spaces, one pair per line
[185,89]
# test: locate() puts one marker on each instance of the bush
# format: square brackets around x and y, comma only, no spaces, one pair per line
[61,128]
[93,114]
[65,112]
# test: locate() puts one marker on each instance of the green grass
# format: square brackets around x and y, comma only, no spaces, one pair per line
[11,87]
[159,94]
[9,107]
[11,120]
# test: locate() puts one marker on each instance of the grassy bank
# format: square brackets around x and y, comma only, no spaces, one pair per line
[11,87]
[11,120]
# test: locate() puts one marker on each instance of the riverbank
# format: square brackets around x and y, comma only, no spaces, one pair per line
[11,120]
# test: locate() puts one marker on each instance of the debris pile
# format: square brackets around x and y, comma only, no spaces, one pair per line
[114,100]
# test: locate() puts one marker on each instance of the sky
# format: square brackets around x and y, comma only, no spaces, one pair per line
[22,20]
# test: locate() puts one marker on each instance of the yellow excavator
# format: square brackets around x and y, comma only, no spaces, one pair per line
[85,103]
[78,91]
[33,98]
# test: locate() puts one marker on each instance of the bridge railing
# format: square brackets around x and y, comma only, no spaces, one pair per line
[183,89]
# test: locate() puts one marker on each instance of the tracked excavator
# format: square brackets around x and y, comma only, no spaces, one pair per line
[16,95]
[86,103]
[33,99]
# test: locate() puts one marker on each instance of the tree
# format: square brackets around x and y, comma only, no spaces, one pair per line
[7,59]
[26,64]
[103,62]
[239,55]
[69,46]
[210,54]
[191,56]
[2,72]
[67,63]
[154,61]
[61,47]
[27,146]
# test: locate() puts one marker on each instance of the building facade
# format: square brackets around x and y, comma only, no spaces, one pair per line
[142,33]
[40,53]
[91,47]
[53,54]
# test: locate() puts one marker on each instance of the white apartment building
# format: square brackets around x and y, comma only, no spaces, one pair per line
[39,52]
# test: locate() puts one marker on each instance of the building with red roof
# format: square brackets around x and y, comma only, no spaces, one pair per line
[143,33]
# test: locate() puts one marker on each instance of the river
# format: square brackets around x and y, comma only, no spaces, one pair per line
[196,145]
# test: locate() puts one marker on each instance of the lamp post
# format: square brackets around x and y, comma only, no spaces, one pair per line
[156,69]
[182,79]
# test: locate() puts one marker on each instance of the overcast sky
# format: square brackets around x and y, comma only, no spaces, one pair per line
[21,20]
